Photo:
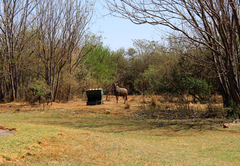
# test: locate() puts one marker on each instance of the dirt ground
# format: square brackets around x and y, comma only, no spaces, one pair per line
[109,103]
[116,109]
[76,103]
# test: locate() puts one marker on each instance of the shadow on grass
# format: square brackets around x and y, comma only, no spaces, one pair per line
[110,124]
[104,124]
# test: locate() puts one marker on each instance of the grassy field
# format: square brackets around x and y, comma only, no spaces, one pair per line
[87,135]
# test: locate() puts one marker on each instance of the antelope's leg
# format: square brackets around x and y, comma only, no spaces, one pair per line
[125,98]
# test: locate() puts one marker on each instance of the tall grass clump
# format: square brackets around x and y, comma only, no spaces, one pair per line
[127,106]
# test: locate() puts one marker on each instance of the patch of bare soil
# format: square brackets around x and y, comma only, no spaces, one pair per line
[4,133]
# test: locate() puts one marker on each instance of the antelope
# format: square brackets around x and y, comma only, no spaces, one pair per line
[120,92]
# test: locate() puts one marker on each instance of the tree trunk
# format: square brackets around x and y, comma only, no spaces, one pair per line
[57,85]
[225,94]
[1,93]
[69,92]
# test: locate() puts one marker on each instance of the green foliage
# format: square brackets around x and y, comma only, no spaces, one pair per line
[40,89]
[234,112]
[148,68]
[99,66]
[181,84]
[199,88]
[148,63]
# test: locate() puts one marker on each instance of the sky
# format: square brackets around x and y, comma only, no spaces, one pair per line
[118,33]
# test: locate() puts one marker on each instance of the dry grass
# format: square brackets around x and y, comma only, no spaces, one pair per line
[76,134]
[155,102]
[137,145]
[127,106]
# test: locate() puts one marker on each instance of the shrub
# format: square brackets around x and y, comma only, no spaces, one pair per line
[199,88]
[234,112]
[38,91]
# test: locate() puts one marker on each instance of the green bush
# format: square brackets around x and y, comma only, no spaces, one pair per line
[200,89]
[40,91]
[234,111]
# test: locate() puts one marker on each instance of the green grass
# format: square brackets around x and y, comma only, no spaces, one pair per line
[78,137]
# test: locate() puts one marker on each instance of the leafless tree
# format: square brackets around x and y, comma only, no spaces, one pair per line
[38,39]
[61,33]
[15,20]
[213,24]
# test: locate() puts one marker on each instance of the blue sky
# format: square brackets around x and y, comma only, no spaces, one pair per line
[117,32]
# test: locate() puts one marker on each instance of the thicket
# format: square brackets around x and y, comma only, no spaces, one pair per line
[149,68]
[211,28]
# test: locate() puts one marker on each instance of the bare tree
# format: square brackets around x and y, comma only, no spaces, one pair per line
[61,33]
[15,20]
[213,24]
